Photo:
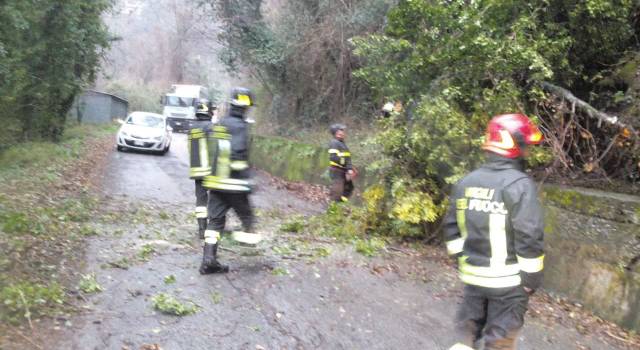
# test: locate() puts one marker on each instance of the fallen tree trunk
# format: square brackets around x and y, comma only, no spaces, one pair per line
[590,110]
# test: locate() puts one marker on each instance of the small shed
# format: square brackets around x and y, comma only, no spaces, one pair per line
[98,107]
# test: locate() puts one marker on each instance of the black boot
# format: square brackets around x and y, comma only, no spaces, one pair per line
[202,226]
[209,262]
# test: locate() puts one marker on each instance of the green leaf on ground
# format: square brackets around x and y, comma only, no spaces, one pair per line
[321,252]
[279,271]
[170,305]
[216,297]
[146,252]
[89,284]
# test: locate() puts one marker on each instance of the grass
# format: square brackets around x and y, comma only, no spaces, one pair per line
[25,301]
[369,247]
[170,305]
[22,157]
[171,279]
[38,214]
[294,225]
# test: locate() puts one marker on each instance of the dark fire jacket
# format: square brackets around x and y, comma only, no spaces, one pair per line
[495,226]
[339,155]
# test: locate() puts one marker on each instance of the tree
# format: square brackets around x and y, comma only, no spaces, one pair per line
[50,51]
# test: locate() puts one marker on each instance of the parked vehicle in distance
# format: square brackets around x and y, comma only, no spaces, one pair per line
[144,131]
[179,104]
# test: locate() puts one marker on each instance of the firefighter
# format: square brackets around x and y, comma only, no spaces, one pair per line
[341,171]
[229,181]
[494,228]
[199,160]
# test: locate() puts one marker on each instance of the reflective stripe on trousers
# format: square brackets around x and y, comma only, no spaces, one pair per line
[201,212]
[211,237]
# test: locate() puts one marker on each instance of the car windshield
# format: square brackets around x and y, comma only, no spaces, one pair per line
[176,101]
[145,120]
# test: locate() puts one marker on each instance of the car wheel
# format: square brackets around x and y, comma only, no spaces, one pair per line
[120,148]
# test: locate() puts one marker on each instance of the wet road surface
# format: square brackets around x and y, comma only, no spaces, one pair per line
[267,301]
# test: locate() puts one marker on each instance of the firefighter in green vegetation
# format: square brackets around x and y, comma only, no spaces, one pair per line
[199,160]
[341,170]
[229,180]
[494,228]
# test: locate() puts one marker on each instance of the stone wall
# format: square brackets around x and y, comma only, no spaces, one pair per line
[592,242]
[592,238]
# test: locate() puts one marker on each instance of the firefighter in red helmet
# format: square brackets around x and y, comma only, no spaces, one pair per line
[494,228]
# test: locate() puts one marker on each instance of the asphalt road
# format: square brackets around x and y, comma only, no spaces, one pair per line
[343,301]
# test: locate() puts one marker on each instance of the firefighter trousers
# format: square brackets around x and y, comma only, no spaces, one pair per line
[491,316]
[219,205]
[202,197]
[341,188]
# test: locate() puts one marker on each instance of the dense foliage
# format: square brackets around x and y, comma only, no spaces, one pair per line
[48,51]
[454,64]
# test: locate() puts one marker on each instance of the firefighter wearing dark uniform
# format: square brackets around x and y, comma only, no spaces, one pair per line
[340,168]
[494,227]
[199,160]
[228,184]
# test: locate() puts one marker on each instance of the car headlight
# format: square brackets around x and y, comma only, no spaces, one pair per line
[124,133]
[158,138]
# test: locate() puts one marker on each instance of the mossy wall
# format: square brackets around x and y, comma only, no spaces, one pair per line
[296,161]
[592,243]
[592,238]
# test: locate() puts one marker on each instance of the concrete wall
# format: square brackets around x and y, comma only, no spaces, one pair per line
[592,238]
[97,107]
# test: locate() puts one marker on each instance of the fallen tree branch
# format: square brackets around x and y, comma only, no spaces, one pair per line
[587,108]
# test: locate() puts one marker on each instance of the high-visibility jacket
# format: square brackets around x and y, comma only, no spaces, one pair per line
[199,166]
[339,155]
[495,226]
[229,155]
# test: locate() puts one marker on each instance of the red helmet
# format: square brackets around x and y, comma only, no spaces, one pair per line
[507,134]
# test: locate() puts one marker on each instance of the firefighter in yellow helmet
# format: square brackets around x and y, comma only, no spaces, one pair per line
[229,181]
[494,228]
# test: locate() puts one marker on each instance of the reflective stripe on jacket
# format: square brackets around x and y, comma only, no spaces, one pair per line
[230,156]
[199,166]
[495,226]
[339,155]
